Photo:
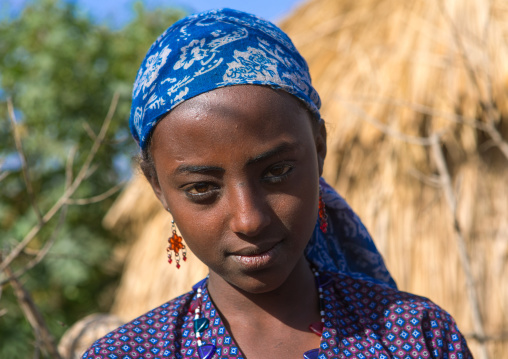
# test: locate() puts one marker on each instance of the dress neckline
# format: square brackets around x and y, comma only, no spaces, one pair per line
[217,334]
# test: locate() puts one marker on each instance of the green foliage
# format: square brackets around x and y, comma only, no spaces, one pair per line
[61,71]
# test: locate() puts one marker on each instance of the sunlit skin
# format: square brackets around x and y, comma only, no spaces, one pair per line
[238,167]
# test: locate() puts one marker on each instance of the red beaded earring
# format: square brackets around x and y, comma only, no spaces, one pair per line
[175,243]
[323,217]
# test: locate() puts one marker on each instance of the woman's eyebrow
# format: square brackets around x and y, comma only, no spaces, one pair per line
[277,151]
[187,169]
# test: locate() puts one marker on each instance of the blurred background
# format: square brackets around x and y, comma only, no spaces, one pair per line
[415,96]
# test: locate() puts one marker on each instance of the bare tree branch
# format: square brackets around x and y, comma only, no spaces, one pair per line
[68,167]
[4,174]
[33,316]
[432,181]
[38,345]
[89,131]
[446,184]
[91,171]
[3,311]
[496,138]
[416,107]
[39,255]
[422,141]
[83,172]
[22,157]
[461,47]
[98,198]
[486,100]
[488,128]
[487,338]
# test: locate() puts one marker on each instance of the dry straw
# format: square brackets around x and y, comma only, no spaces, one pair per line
[415,96]
[396,77]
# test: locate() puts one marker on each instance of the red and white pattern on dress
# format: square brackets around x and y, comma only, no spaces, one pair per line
[362,320]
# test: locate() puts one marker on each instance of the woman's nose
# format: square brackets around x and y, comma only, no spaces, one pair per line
[250,212]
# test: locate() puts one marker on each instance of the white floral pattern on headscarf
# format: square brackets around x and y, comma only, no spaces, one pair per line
[215,49]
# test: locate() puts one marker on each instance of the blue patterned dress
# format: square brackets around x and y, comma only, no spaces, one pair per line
[362,320]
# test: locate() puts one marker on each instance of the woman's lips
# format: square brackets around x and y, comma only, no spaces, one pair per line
[256,260]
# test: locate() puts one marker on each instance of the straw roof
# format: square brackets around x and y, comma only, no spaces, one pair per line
[410,67]
[394,77]
[392,74]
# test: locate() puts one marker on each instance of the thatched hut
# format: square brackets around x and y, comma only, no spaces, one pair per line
[416,99]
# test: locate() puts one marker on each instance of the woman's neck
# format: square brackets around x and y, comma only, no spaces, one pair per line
[295,303]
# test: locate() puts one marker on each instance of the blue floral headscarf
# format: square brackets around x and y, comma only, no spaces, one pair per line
[226,47]
[215,49]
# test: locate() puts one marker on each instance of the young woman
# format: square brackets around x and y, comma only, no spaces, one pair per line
[233,145]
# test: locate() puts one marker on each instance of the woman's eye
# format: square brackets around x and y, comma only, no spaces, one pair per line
[199,188]
[200,192]
[277,173]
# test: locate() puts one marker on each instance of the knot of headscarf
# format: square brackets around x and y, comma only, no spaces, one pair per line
[215,49]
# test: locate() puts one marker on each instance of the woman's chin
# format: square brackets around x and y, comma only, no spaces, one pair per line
[260,278]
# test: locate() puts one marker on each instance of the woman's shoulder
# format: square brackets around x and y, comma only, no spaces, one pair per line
[149,333]
[374,299]
[401,322]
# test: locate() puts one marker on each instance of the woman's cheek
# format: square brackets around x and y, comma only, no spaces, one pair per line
[200,230]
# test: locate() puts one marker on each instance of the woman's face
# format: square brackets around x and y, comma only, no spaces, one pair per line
[238,167]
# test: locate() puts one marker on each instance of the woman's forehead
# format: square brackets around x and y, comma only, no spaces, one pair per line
[241,100]
[233,116]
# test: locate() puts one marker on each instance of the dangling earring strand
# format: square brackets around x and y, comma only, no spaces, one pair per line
[323,217]
[175,243]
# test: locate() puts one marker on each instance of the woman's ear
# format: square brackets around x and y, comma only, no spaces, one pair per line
[148,169]
[320,141]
